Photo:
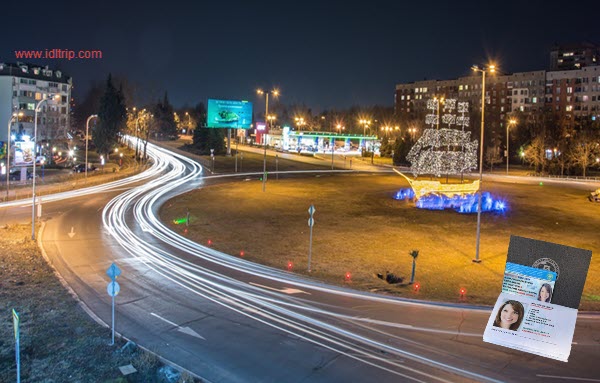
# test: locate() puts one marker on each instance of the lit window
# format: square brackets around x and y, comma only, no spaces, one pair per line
[460,87]
[38,96]
[585,98]
[569,108]
[534,100]
[569,89]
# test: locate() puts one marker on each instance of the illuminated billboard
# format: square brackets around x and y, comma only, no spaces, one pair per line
[24,152]
[229,114]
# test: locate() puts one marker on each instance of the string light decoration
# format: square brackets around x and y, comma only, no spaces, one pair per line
[444,150]
[423,188]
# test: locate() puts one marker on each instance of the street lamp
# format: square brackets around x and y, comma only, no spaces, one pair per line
[512,121]
[275,93]
[87,129]
[35,121]
[8,138]
[339,128]
[490,69]
[300,122]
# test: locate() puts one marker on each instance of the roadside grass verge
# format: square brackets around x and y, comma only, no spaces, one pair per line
[359,228]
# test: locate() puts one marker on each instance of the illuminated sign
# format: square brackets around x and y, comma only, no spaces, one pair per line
[24,152]
[229,114]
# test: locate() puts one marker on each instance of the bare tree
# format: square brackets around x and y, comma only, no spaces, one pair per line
[582,152]
[535,153]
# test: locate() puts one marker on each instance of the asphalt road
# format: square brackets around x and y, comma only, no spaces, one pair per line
[229,320]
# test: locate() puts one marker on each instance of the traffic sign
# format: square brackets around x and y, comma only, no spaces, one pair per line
[311,222]
[113,272]
[113,288]
[311,210]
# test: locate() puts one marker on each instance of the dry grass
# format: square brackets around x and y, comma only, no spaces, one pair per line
[361,229]
[59,341]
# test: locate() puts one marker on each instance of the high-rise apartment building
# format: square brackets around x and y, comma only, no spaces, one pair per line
[22,86]
[574,56]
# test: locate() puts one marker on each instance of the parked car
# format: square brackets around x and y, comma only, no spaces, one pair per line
[81,168]
[595,196]
[15,175]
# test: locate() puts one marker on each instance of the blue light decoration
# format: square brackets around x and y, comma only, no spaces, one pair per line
[464,204]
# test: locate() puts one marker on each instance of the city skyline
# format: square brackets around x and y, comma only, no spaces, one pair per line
[325,56]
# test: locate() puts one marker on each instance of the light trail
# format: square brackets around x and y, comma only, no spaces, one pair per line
[291,315]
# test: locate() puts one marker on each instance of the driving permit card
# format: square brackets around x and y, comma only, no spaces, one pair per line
[527,324]
[528,281]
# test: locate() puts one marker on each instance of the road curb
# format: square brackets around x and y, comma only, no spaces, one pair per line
[96,318]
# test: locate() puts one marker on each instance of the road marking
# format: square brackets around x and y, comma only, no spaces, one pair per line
[72,233]
[287,290]
[568,378]
[185,330]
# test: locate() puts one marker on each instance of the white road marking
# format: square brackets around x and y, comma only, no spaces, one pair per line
[185,330]
[287,290]
[72,233]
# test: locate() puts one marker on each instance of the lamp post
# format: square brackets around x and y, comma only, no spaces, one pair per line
[438,101]
[339,128]
[8,138]
[275,93]
[35,121]
[491,69]
[512,121]
[87,130]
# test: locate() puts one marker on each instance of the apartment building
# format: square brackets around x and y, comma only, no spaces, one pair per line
[574,93]
[22,86]
[574,56]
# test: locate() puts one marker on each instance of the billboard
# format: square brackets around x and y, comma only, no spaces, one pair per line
[24,152]
[229,114]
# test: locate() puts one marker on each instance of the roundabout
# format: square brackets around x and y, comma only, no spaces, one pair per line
[361,230]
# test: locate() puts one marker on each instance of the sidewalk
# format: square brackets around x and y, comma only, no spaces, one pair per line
[67,181]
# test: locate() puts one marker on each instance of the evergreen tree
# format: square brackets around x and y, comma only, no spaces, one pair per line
[206,139]
[111,119]
[165,120]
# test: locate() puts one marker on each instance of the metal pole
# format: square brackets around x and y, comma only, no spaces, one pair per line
[265,141]
[34,157]
[310,247]
[277,166]
[8,157]
[87,129]
[332,148]
[477,260]
[113,316]
[507,152]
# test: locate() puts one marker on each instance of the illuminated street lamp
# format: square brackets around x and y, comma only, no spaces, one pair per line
[365,123]
[87,129]
[275,93]
[412,132]
[490,69]
[512,121]
[8,138]
[438,101]
[37,108]
[300,122]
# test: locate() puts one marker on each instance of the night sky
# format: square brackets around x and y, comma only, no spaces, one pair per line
[321,54]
